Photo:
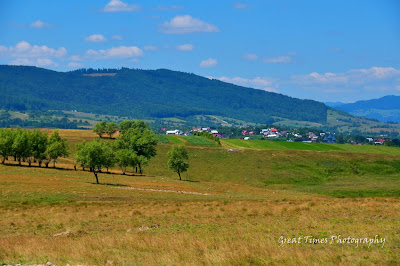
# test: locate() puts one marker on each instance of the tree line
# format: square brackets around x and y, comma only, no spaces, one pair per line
[32,146]
[134,147]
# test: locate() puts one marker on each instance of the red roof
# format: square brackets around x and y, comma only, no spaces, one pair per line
[274,129]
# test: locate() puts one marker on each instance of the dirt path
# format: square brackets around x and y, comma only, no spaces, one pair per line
[165,190]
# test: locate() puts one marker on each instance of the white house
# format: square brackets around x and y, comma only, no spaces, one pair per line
[214,131]
[174,132]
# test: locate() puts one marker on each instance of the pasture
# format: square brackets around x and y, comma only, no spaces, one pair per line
[235,204]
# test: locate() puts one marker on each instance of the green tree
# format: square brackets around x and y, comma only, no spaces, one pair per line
[110,129]
[177,157]
[93,155]
[109,155]
[140,140]
[6,143]
[100,128]
[38,142]
[128,124]
[126,158]
[20,147]
[57,147]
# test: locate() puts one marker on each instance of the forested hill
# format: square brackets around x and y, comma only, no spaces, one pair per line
[146,94]
[384,109]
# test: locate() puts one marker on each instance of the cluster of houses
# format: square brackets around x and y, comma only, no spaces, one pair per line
[214,132]
[272,133]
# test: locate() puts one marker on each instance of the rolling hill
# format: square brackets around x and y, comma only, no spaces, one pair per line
[147,94]
[383,109]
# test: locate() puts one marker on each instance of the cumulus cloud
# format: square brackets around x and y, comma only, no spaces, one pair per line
[38,24]
[185,47]
[95,38]
[121,52]
[278,59]
[211,62]
[24,49]
[41,62]
[261,83]
[250,57]
[352,77]
[119,6]
[165,8]
[186,24]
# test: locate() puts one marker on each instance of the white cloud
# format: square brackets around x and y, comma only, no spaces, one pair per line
[39,24]
[278,59]
[75,58]
[24,49]
[115,52]
[241,6]
[95,38]
[41,62]
[117,37]
[211,62]
[352,77]
[150,48]
[75,64]
[185,47]
[250,57]
[119,6]
[261,83]
[165,8]
[186,24]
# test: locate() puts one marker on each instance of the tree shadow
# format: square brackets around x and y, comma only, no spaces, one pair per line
[192,181]
[108,184]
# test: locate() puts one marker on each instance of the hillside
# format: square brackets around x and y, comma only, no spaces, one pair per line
[147,94]
[383,109]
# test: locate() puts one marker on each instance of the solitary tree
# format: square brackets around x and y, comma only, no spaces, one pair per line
[110,129]
[100,128]
[93,155]
[177,157]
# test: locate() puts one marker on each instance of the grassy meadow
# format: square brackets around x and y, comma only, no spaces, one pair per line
[237,200]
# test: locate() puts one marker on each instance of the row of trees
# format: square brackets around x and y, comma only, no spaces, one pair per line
[31,146]
[134,147]
[209,136]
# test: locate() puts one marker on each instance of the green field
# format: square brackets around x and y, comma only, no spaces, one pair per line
[283,145]
[234,204]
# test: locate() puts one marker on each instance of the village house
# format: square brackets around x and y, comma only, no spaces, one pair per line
[330,139]
[174,132]
[379,141]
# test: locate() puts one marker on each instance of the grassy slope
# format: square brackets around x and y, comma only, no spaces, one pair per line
[256,196]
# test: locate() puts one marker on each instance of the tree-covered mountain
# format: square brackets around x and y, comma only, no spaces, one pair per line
[146,94]
[384,109]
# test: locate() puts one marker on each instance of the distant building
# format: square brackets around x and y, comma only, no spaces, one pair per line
[174,132]
[329,139]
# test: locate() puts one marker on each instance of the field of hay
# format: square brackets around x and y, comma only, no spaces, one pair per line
[235,204]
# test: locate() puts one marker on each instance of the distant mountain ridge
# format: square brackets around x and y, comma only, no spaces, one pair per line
[146,94]
[383,109]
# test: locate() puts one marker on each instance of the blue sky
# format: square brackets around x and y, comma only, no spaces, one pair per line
[321,50]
